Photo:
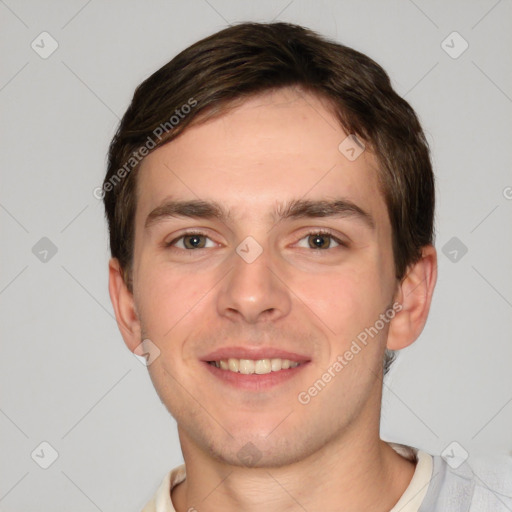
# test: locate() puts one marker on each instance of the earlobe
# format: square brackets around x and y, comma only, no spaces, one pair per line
[124,306]
[415,295]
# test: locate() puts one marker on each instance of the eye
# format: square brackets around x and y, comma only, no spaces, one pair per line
[191,241]
[319,240]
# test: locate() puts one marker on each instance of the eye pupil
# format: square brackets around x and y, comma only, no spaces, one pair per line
[194,242]
[319,241]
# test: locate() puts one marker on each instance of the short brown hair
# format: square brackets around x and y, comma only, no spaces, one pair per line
[243,60]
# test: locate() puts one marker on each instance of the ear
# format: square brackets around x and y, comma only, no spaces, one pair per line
[124,306]
[415,295]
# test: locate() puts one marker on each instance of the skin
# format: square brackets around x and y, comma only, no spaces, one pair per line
[326,455]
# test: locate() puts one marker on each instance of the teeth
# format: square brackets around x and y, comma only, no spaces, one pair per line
[250,366]
[262,366]
[276,364]
[246,366]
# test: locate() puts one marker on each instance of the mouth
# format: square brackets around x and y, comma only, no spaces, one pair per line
[254,366]
[254,369]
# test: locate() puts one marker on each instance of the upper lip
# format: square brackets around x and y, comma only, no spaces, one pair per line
[255,353]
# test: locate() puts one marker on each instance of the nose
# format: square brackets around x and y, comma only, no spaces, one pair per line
[253,291]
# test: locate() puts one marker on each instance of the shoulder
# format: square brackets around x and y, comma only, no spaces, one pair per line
[480,484]
[493,483]
[161,501]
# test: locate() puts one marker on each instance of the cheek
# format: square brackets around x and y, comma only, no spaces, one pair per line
[345,302]
[168,299]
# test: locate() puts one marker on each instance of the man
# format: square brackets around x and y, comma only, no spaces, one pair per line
[270,202]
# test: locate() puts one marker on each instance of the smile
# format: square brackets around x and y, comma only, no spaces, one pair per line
[256,366]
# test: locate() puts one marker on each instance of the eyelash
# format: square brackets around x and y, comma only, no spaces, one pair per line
[325,232]
[321,232]
[184,235]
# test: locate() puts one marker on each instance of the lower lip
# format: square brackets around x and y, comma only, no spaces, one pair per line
[255,382]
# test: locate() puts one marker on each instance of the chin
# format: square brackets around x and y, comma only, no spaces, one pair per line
[261,452]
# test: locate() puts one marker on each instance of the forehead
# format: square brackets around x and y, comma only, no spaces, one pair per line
[279,146]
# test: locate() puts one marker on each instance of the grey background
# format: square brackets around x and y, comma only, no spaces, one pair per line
[66,376]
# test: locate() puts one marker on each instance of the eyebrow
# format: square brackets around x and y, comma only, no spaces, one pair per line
[295,209]
[342,208]
[196,209]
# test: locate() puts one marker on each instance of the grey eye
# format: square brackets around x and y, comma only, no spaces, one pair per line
[318,241]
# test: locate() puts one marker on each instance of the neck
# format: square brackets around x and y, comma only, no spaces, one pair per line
[357,474]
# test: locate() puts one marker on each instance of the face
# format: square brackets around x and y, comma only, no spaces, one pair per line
[257,242]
